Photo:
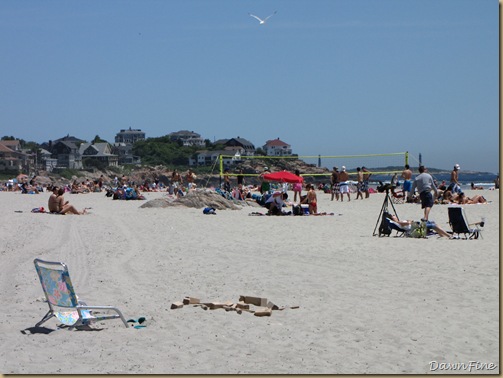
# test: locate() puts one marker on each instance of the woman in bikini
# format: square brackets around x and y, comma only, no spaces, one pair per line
[58,205]
[461,199]
[311,199]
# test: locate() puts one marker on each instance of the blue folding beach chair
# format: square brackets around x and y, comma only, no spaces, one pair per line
[62,300]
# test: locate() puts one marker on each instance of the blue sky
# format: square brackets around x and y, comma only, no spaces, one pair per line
[335,77]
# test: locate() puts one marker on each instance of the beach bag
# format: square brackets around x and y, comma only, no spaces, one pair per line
[418,230]
[38,210]
[209,210]
[384,228]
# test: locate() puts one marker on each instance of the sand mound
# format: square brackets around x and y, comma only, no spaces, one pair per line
[198,198]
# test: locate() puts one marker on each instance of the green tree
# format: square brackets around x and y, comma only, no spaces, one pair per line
[162,150]
[97,139]
[259,152]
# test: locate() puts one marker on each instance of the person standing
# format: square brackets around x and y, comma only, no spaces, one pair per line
[424,185]
[297,188]
[454,185]
[227,180]
[407,182]
[365,182]
[189,178]
[176,180]
[343,183]
[334,181]
[100,182]
[240,178]
[359,184]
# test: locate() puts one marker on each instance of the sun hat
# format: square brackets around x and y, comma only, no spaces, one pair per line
[457,166]
[343,168]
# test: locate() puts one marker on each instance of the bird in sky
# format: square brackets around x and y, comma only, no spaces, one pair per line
[260,20]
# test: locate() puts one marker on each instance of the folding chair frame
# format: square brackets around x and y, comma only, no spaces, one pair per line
[50,272]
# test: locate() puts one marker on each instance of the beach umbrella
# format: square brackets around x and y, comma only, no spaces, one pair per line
[283,176]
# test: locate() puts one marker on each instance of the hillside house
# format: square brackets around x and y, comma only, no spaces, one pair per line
[67,154]
[205,157]
[248,149]
[277,147]
[12,158]
[129,136]
[188,138]
[101,152]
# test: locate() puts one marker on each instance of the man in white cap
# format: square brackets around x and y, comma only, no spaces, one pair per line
[343,183]
[454,185]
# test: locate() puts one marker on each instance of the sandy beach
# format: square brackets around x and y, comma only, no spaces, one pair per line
[367,305]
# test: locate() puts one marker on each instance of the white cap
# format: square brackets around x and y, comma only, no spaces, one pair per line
[457,166]
[343,168]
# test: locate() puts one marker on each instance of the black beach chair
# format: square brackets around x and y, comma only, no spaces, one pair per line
[388,226]
[459,224]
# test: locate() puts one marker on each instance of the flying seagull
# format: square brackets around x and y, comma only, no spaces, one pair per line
[264,20]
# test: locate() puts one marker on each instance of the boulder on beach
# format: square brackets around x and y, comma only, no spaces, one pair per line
[198,198]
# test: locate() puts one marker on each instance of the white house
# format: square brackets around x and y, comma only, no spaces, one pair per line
[205,157]
[277,147]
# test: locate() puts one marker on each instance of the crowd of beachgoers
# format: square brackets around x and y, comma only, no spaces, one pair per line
[271,195]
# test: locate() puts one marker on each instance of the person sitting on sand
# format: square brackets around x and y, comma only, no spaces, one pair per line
[58,205]
[77,188]
[446,197]
[311,199]
[476,187]
[462,199]
[275,203]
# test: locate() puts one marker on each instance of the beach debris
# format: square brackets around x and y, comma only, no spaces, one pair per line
[190,300]
[263,311]
[253,300]
[261,306]
[175,305]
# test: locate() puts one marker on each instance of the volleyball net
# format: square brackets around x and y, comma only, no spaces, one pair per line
[377,164]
